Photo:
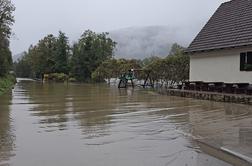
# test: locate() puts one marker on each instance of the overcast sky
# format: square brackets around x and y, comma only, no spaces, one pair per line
[37,18]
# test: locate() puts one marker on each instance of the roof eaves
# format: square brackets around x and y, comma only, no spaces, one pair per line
[193,51]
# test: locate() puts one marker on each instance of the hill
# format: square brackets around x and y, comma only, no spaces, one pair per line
[141,42]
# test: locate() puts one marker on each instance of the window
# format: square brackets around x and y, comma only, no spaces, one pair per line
[246,61]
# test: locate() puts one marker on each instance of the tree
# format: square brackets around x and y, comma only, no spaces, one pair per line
[91,50]
[171,70]
[114,68]
[107,70]
[50,55]
[176,49]
[6,20]
[43,56]
[5,59]
[54,55]
[62,54]
[149,60]
[23,68]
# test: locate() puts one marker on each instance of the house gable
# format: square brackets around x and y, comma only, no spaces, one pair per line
[229,27]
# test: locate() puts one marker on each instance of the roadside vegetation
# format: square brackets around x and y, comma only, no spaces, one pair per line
[92,59]
[170,70]
[54,55]
[6,83]
[167,71]
[6,21]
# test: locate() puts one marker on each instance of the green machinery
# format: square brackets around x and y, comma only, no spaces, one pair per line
[127,79]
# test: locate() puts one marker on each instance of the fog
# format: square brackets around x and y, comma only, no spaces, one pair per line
[141,42]
[37,18]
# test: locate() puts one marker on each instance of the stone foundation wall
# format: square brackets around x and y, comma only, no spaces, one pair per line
[213,96]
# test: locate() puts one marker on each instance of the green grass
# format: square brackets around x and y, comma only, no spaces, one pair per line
[6,83]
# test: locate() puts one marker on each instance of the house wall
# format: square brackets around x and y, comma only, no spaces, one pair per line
[219,66]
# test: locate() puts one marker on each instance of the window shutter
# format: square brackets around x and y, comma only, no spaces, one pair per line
[242,61]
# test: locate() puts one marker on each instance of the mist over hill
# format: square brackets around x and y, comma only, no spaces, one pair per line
[141,42]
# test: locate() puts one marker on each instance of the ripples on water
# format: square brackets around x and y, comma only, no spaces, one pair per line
[78,124]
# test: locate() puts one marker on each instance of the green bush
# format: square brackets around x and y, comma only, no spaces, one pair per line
[58,77]
[6,83]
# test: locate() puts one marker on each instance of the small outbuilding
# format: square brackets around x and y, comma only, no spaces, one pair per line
[222,51]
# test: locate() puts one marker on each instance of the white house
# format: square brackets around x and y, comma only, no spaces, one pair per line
[222,51]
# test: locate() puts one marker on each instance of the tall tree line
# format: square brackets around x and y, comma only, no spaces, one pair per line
[55,55]
[91,58]
[6,21]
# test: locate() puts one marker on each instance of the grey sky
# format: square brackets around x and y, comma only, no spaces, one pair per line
[37,18]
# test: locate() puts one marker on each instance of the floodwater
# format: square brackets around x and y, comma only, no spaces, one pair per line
[98,125]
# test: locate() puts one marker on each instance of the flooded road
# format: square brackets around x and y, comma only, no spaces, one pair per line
[97,125]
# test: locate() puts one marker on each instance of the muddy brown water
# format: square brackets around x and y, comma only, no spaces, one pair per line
[98,125]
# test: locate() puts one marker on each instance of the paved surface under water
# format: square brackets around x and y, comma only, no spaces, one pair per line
[98,125]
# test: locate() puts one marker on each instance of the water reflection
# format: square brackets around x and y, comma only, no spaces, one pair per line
[226,126]
[82,124]
[58,104]
[7,137]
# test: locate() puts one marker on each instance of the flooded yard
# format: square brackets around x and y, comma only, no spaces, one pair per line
[98,125]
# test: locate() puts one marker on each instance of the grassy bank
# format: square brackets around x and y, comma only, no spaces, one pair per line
[6,83]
